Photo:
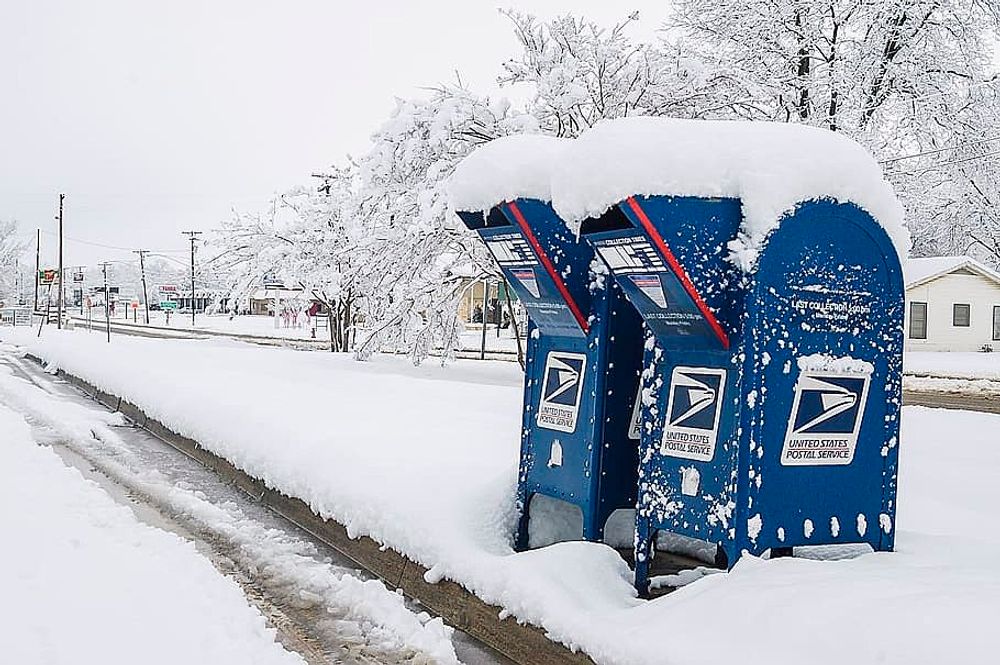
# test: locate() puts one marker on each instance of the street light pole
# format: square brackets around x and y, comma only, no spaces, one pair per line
[38,267]
[142,268]
[107,315]
[62,282]
[193,235]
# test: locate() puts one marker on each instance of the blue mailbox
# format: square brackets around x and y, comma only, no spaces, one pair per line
[772,412]
[579,439]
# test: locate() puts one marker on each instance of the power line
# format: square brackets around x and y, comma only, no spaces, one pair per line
[893,160]
[948,163]
[114,247]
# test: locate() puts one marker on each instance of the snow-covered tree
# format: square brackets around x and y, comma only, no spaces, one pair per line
[582,72]
[11,248]
[903,77]
[910,79]
[305,238]
[419,251]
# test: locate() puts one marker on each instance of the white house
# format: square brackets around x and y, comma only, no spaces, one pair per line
[952,304]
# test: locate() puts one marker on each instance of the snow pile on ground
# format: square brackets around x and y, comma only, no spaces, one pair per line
[771,167]
[968,387]
[424,460]
[506,169]
[84,582]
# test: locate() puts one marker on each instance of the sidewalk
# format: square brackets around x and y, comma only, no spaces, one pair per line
[84,582]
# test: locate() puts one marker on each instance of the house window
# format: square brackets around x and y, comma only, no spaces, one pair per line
[960,315]
[918,320]
[996,322]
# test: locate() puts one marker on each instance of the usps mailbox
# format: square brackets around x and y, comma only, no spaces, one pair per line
[772,416]
[579,440]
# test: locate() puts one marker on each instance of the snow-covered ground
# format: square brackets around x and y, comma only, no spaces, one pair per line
[424,460]
[956,364]
[263,326]
[84,582]
[343,615]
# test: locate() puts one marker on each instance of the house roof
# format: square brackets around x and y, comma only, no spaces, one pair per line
[918,271]
[269,294]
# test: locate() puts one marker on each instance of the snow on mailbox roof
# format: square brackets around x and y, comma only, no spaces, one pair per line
[505,169]
[771,167]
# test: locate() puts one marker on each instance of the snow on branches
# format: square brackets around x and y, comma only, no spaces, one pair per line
[911,80]
[10,250]
[415,278]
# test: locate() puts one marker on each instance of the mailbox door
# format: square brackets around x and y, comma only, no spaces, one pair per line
[827,340]
[689,455]
[669,256]
[560,419]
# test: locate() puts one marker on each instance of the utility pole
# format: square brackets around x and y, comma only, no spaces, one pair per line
[194,236]
[142,269]
[486,298]
[62,288]
[107,315]
[38,267]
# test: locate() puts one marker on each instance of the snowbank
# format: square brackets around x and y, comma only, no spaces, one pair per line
[84,582]
[505,169]
[953,364]
[771,167]
[424,460]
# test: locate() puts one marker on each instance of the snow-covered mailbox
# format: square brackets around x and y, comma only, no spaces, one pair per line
[584,352]
[764,261]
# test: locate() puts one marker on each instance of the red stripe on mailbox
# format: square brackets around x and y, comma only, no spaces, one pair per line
[679,271]
[549,268]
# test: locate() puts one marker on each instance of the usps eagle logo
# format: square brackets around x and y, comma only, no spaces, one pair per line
[562,388]
[823,427]
[694,405]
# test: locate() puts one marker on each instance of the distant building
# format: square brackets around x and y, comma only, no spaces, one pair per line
[952,304]
[263,301]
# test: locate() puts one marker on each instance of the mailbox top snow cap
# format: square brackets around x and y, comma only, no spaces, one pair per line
[770,168]
[502,191]
[506,169]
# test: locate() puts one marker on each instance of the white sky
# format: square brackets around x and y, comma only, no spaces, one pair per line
[154,117]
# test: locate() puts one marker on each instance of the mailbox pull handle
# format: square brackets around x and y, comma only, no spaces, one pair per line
[549,268]
[678,270]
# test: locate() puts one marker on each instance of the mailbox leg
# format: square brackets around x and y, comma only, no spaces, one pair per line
[643,556]
[521,538]
[593,526]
